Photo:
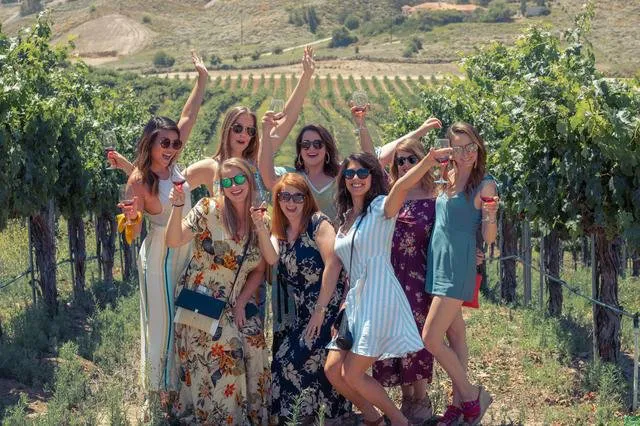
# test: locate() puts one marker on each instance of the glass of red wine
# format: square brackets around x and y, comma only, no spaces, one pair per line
[126,200]
[258,203]
[109,144]
[177,177]
[443,160]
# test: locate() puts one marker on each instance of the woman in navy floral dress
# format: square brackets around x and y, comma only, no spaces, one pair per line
[303,251]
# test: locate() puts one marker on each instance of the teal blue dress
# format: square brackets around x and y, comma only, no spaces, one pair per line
[451,259]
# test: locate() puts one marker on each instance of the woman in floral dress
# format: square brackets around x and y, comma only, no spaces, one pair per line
[302,248]
[225,377]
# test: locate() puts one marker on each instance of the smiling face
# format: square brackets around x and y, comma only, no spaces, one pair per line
[357,186]
[236,193]
[293,211]
[465,150]
[312,156]
[238,142]
[164,156]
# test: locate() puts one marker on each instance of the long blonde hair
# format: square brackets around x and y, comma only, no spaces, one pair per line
[479,168]
[251,151]
[415,147]
[228,216]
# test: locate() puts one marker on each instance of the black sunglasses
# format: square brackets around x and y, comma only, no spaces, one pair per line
[317,144]
[237,179]
[175,144]
[238,128]
[351,173]
[297,197]
[412,159]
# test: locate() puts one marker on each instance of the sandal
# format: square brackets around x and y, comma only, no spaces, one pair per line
[378,422]
[422,410]
[451,417]
[473,411]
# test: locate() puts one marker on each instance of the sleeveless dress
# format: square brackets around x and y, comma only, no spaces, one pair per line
[409,261]
[225,377]
[451,260]
[377,308]
[298,366]
[159,269]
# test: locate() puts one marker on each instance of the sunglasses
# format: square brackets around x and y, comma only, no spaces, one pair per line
[297,197]
[238,128]
[317,144]
[412,159]
[166,142]
[469,149]
[237,179]
[351,173]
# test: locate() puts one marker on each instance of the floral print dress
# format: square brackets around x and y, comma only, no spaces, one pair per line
[409,260]
[298,365]
[225,378]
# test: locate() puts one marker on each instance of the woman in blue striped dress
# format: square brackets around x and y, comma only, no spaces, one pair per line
[376,307]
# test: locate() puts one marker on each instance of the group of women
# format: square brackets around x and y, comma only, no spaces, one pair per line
[390,268]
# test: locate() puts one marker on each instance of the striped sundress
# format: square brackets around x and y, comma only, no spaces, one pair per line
[377,308]
[159,269]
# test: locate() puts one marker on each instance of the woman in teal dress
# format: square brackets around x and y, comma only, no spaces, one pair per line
[451,260]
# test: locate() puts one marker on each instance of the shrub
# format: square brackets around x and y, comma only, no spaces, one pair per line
[146,19]
[163,59]
[215,60]
[236,57]
[31,6]
[352,22]
[255,55]
[342,37]
[498,11]
[277,50]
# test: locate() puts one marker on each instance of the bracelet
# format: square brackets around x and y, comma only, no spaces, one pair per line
[322,309]
[178,205]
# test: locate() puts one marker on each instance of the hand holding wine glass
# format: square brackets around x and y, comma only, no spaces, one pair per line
[490,202]
[177,178]
[442,159]
[109,144]
[127,202]
[359,105]
[277,107]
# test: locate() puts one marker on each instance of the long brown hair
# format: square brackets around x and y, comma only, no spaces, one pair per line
[229,217]
[280,221]
[251,151]
[332,166]
[378,184]
[415,147]
[143,151]
[479,168]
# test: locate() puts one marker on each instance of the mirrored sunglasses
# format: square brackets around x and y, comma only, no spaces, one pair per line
[237,179]
[469,149]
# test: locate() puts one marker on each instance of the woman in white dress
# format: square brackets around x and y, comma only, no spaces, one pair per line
[377,310]
[150,181]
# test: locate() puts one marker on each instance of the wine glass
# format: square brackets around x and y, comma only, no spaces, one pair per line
[257,202]
[443,160]
[125,197]
[277,106]
[177,177]
[359,100]
[109,144]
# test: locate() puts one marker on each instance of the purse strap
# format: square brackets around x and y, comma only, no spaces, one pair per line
[235,279]
[353,238]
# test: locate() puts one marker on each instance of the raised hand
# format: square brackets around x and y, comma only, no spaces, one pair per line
[308,63]
[199,64]
[430,124]
[270,121]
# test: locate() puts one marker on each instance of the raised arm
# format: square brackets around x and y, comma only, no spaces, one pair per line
[325,239]
[359,116]
[178,232]
[296,100]
[192,106]
[202,172]
[265,152]
[401,188]
[386,151]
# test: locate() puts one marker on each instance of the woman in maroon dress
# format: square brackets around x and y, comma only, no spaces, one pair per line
[412,373]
